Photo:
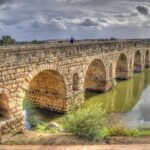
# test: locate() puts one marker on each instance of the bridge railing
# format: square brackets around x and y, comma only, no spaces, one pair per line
[107,44]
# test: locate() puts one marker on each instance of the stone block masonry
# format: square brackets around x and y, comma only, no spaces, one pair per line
[56,76]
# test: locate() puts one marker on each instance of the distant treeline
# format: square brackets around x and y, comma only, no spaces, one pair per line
[7,40]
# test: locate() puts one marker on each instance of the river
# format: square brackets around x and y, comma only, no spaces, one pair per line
[130,99]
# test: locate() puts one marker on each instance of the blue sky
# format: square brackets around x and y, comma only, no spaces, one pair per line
[58,19]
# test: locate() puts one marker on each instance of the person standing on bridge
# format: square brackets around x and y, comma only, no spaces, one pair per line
[72,40]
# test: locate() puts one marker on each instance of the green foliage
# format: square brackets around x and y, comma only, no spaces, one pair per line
[27,104]
[104,132]
[117,128]
[34,122]
[121,131]
[43,128]
[112,38]
[7,40]
[1,42]
[86,123]
[142,132]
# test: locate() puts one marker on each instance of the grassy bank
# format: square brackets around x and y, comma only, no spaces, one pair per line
[89,123]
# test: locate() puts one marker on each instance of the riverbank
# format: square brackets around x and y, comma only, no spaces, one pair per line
[36,138]
[128,99]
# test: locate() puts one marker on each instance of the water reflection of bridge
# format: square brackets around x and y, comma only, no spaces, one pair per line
[123,97]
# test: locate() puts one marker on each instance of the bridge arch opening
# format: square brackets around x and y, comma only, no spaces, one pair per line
[147,59]
[95,79]
[137,62]
[122,67]
[4,106]
[75,82]
[47,90]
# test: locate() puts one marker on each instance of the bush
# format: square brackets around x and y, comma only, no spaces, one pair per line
[7,40]
[86,123]
[117,128]
[34,122]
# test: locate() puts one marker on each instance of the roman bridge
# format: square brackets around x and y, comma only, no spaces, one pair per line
[56,76]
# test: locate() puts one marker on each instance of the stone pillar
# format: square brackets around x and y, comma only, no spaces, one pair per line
[75,101]
[109,84]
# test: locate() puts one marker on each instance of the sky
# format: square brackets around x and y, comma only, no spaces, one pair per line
[26,20]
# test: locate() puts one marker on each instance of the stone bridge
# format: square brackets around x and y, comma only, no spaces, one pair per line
[56,76]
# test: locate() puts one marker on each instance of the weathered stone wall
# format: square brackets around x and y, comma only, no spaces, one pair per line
[67,73]
[47,89]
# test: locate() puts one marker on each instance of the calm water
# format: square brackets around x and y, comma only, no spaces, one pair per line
[130,99]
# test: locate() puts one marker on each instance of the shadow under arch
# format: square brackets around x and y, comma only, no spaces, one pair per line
[54,74]
[137,62]
[122,67]
[95,78]
[4,106]
[47,90]
[147,59]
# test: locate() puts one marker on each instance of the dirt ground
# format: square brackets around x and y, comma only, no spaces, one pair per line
[33,138]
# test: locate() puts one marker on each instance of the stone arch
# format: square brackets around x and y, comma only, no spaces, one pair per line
[147,58]
[122,67]
[137,62]
[75,82]
[29,76]
[4,105]
[46,87]
[95,78]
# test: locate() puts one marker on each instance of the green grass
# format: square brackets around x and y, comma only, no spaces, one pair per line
[27,105]
[143,132]
[43,128]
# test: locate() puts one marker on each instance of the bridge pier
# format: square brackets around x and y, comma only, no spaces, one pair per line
[74,102]
[58,105]
[138,69]
[12,124]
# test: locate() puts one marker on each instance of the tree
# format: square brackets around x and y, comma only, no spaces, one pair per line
[112,38]
[1,42]
[34,42]
[7,40]
[37,42]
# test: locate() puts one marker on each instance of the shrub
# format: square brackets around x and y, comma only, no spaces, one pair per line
[117,128]
[34,122]
[86,123]
[7,40]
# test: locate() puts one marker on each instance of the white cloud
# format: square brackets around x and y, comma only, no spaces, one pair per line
[74,1]
[82,18]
